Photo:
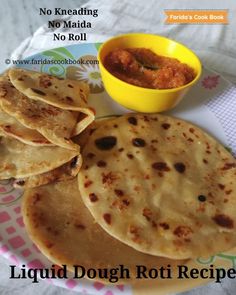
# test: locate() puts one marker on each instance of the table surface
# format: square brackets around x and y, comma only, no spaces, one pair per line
[18,20]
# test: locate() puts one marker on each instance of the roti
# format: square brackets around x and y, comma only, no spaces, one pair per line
[9,126]
[62,93]
[55,124]
[65,172]
[70,236]
[161,185]
[20,160]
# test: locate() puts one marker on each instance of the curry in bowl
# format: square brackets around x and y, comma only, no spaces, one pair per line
[144,68]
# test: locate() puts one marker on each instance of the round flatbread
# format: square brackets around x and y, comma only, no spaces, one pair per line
[160,185]
[20,160]
[70,236]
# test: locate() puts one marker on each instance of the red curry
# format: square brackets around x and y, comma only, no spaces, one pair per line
[144,68]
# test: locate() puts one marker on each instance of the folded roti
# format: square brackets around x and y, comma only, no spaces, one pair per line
[161,185]
[9,126]
[62,93]
[61,226]
[55,124]
[65,172]
[20,160]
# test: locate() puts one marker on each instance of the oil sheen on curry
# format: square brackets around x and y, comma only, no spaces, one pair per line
[144,68]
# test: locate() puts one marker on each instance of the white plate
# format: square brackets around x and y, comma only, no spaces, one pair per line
[210,104]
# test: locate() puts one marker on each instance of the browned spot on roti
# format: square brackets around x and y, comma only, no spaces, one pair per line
[121,203]
[164,225]
[126,202]
[109,178]
[93,197]
[119,192]
[133,229]
[135,232]
[90,155]
[37,91]
[182,231]
[49,245]
[130,156]
[70,99]
[138,142]
[201,198]
[154,141]
[101,163]
[52,111]
[191,130]
[161,166]
[180,167]
[165,126]
[154,119]
[3,91]
[70,86]
[52,231]
[223,220]
[106,143]
[79,226]
[228,166]
[87,183]
[44,81]
[221,186]
[36,198]
[205,161]
[187,240]
[154,224]
[107,218]
[147,213]
[145,118]
[132,120]
[20,182]
[137,188]
[7,127]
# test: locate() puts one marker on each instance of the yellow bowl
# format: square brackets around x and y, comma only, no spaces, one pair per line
[145,99]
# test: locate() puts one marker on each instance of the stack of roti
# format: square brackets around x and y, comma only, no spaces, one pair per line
[39,116]
[153,190]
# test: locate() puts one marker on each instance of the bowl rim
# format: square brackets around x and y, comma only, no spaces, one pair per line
[151,90]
